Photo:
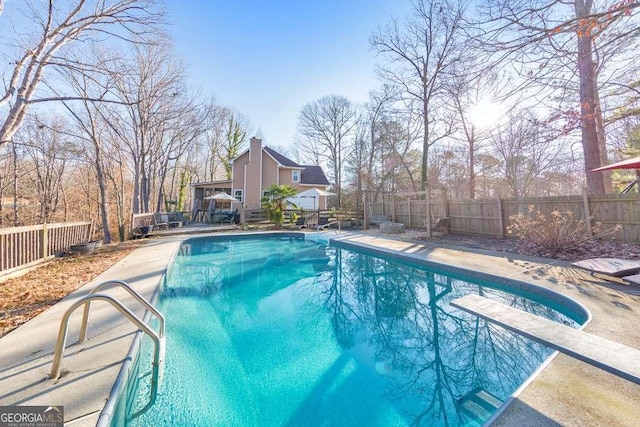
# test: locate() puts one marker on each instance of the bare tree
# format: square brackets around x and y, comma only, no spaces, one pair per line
[546,41]
[525,154]
[467,91]
[178,130]
[57,28]
[367,150]
[235,138]
[49,152]
[419,54]
[148,86]
[214,138]
[326,125]
[90,127]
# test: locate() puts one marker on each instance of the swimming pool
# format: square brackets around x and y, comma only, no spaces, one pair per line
[282,331]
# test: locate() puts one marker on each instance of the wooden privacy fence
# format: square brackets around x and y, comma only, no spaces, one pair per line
[25,246]
[491,217]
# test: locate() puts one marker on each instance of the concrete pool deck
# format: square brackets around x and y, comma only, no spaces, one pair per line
[566,392]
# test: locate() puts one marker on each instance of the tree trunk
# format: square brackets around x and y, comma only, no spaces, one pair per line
[135,200]
[602,140]
[586,73]
[15,185]
[104,208]
[472,164]
[425,141]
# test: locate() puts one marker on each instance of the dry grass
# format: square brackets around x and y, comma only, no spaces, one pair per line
[24,297]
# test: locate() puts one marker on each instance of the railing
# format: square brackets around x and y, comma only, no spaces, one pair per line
[309,217]
[26,246]
[143,219]
[134,294]
[157,338]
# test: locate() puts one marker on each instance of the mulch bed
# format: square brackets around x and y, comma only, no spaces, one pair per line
[26,296]
[590,249]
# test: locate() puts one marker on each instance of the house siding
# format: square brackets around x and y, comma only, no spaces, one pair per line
[253,175]
[238,174]
[269,172]
[285,179]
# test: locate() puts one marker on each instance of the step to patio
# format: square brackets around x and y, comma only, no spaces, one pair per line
[605,354]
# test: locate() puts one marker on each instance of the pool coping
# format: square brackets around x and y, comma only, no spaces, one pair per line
[532,402]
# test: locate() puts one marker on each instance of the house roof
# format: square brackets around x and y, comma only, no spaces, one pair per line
[284,161]
[313,175]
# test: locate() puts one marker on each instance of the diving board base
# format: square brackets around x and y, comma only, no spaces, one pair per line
[610,356]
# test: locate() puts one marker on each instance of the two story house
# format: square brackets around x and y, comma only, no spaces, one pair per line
[255,170]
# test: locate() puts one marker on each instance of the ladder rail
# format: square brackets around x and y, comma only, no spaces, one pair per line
[322,227]
[119,284]
[159,342]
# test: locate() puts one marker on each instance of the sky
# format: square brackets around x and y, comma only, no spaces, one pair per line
[269,58]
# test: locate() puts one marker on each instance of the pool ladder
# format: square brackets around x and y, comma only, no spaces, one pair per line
[325,226]
[158,338]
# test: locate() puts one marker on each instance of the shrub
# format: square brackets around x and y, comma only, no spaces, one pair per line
[555,233]
[275,202]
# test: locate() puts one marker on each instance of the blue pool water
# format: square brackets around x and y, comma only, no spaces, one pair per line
[282,331]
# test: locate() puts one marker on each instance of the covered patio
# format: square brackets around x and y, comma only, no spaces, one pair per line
[202,203]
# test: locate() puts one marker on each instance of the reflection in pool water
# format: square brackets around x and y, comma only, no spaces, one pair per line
[275,331]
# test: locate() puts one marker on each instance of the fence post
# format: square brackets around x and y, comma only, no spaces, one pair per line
[409,210]
[90,232]
[500,217]
[365,215]
[393,208]
[131,227]
[44,242]
[427,198]
[587,213]
[445,203]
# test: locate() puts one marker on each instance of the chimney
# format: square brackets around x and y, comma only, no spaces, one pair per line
[255,147]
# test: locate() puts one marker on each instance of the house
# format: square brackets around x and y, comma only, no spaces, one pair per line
[255,170]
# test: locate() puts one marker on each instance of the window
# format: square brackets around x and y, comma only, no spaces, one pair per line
[295,176]
[238,195]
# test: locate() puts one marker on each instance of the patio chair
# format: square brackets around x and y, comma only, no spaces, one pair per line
[160,220]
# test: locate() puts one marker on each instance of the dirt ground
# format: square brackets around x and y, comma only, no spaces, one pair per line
[24,297]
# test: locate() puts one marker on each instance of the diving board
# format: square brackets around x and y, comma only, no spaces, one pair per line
[609,266]
[611,356]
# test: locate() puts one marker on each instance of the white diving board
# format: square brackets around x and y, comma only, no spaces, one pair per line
[611,356]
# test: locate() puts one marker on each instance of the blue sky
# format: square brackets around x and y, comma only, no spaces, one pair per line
[269,58]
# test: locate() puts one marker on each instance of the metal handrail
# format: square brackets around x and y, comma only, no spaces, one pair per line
[328,224]
[133,293]
[159,342]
